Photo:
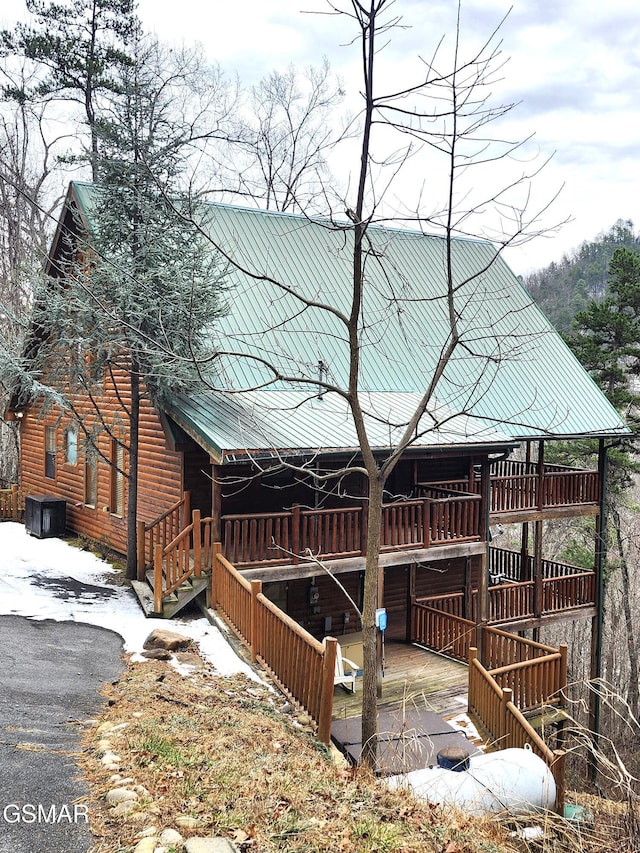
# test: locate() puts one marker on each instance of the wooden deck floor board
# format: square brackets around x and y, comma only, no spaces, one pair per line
[413,677]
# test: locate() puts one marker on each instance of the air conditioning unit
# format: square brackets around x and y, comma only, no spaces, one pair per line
[45,516]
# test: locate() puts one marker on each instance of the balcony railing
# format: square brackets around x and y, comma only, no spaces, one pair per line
[564,588]
[438,518]
[518,486]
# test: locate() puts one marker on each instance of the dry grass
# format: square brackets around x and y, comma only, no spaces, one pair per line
[232,753]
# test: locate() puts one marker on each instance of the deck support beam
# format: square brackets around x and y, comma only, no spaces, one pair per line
[596,623]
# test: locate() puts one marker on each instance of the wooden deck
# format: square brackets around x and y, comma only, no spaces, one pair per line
[413,677]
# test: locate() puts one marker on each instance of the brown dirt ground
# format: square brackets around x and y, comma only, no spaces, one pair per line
[233,753]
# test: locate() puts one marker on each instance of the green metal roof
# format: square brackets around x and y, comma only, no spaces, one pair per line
[300,423]
[512,373]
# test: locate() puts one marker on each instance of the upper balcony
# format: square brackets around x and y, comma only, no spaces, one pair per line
[439,517]
[442,514]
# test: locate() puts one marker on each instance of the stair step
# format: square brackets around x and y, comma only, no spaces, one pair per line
[173,603]
[145,597]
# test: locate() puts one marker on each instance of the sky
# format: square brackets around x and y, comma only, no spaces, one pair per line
[573,68]
[573,64]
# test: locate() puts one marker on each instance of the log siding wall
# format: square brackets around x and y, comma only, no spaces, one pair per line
[160,481]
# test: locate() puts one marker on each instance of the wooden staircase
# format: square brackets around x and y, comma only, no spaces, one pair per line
[174,561]
[175,601]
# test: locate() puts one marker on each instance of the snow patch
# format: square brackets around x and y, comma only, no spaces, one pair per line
[50,579]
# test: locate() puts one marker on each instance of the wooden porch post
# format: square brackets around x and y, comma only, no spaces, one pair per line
[525,567]
[216,550]
[326,689]
[537,570]
[216,503]
[540,475]
[196,537]
[140,542]
[483,586]
[186,509]
[295,533]
[157,579]
[467,601]
[255,638]
[596,622]
[411,594]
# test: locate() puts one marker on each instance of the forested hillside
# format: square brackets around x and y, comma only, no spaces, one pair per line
[564,288]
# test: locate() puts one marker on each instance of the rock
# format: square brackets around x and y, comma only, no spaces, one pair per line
[160,638]
[187,822]
[124,809]
[304,719]
[103,746]
[147,845]
[157,654]
[148,832]
[121,795]
[337,758]
[210,845]
[111,761]
[171,837]
[189,659]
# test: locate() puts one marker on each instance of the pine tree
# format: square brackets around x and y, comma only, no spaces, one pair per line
[145,289]
[80,46]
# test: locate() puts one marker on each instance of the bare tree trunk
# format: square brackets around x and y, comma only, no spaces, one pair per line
[372,600]
[132,499]
[632,647]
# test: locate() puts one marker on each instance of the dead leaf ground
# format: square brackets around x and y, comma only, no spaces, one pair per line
[231,753]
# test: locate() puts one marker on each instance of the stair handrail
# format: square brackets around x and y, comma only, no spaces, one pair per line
[172,565]
[161,530]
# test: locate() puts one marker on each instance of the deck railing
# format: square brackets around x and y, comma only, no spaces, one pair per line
[442,632]
[511,601]
[161,531]
[536,674]
[493,706]
[178,561]
[508,564]
[290,536]
[517,486]
[301,665]
[11,503]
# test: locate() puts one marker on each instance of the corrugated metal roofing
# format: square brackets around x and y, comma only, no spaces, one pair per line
[511,371]
[299,422]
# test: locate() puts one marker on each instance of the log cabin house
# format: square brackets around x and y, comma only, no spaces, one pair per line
[240,463]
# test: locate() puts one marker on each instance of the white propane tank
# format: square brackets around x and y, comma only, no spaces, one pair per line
[513,780]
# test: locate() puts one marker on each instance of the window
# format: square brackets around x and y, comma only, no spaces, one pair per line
[50,452]
[91,481]
[72,446]
[117,478]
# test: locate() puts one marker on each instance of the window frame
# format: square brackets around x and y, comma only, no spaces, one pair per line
[116,498]
[50,452]
[71,446]
[91,481]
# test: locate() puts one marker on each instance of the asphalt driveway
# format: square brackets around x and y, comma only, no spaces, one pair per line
[50,676]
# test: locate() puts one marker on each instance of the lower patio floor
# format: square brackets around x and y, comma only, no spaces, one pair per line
[413,677]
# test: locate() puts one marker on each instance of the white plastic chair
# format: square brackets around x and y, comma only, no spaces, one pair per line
[346,679]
